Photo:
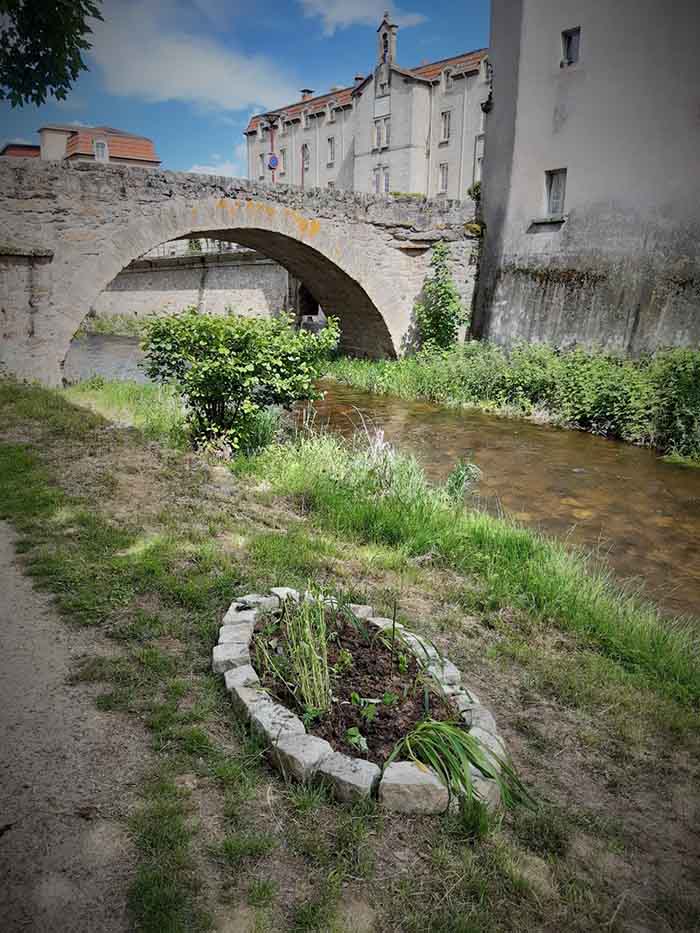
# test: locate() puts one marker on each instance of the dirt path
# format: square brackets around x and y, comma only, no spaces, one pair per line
[66,859]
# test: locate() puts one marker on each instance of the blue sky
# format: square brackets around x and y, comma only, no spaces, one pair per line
[188,73]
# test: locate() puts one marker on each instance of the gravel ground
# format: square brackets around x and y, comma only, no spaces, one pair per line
[68,773]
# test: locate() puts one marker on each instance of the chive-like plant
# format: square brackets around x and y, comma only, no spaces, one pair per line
[307,638]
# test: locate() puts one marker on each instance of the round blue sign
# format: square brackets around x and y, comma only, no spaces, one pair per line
[273,163]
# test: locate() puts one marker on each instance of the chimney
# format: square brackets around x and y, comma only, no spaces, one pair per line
[306,93]
[358,79]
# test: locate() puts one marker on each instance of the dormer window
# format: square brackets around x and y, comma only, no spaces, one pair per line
[330,111]
[259,130]
[484,70]
[283,124]
[449,80]
[305,119]
[101,150]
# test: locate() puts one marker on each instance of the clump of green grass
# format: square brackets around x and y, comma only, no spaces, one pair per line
[243,846]
[380,496]
[307,643]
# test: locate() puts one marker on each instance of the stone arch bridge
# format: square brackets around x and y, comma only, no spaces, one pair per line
[67,229]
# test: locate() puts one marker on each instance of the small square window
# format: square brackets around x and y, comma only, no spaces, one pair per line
[570,43]
[556,192]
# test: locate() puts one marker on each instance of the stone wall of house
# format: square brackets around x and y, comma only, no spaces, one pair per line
[244,282]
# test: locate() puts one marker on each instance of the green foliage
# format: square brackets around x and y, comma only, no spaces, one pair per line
[307,640]
[474,191]
[440,315]
[382,498]
[41,47]
[194,245]
[229,369]
[452,752]
[654,401]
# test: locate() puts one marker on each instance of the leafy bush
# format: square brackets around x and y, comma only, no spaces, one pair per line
[230,369]
[440,314]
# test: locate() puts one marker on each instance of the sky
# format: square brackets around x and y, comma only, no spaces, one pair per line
[189,73]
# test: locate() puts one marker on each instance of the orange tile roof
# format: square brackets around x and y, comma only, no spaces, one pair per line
[121,145]
[21,151]
[467,61]
[342,98]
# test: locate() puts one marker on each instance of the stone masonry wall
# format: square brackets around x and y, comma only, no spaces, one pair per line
[246,283]
[363,258]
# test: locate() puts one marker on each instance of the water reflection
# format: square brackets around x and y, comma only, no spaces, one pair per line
[621,502]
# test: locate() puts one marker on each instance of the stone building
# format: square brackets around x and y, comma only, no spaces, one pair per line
[409,130]
[87,143]
[591,190]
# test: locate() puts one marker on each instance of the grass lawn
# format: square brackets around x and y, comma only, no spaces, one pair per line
[596,696]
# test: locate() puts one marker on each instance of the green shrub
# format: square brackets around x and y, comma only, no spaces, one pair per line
[230,369]
[440,314]
[675,377]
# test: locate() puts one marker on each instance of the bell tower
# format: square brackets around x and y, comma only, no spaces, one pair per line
[386,41]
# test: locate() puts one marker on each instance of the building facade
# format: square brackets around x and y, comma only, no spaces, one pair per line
[87,143]
[409,130]
[591,189]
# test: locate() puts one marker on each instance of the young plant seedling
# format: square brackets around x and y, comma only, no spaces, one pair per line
[354,737]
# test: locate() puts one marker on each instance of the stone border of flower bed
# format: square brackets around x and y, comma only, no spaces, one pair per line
[403,786]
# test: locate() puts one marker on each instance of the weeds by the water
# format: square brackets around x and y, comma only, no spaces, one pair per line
[654,401]
[389,501]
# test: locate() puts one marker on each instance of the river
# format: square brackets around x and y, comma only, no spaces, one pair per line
[622,503]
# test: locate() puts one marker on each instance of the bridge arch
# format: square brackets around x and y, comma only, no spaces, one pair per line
[74,227]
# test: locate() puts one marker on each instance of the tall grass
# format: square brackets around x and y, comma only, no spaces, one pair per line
[375,494]
[307,641]
[654,401]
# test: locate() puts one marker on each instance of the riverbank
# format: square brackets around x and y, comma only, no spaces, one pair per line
[653,402]
[148,543]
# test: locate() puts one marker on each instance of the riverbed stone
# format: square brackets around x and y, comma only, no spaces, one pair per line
[236,616]
[383,623]
[226,657]
[350,778]
[360,611]
[300,755]
[231,634]
[408,787]
[244,676]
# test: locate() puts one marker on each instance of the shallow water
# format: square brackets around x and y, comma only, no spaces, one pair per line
[619,501]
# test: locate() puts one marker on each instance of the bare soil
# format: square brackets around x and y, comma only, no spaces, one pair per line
[389,681]
[68,773]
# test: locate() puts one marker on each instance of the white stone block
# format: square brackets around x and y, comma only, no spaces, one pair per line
[360,611]
[272,721]
[408,787]
[236,616]
[300,755]
[476,716]
[445,672]
[256,601]
[350,778]
[486,789]
[492,744]
[383,623]
[245,698]
[241,634]
[226,657]
[244,676]
[283,593]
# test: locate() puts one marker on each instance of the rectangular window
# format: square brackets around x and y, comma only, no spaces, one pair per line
[377,144]
[331,150]
[376,180]
[387,131]
[556,191]
[445,118]
[100,150]
[331,184]
[305,157]
[386,181]
[261,166]
[570,42]
[443,177]
[283,161]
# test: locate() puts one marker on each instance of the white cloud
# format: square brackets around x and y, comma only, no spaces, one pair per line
[237,167]
[152,50]
[19,141]
[337,14]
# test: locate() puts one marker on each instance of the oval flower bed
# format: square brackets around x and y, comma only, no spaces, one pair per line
[359,702]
